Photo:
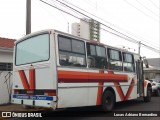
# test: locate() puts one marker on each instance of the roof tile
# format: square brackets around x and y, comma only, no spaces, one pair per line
[6,42]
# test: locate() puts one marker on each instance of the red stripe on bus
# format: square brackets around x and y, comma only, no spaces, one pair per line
[82,77]
[31,84]
[23,79]
[100,90]
[119,90]
[99,94]
[32,78]
[145,83]
[130,90]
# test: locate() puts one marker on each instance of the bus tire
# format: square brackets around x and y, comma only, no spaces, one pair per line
[108,101]
[148,97]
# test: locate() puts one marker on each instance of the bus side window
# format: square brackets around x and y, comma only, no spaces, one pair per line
[114,60]
[96,56]
[128,62]
[91,52]
[71,52]
[91,62]
[101,57]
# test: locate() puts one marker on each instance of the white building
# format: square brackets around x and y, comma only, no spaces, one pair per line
[6,62]
[153,72]
[87,28]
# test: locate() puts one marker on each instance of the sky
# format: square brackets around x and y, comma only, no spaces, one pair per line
[139,19]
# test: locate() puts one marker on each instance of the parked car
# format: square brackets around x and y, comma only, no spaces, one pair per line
[155,86]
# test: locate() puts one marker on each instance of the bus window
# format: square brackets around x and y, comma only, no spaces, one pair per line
[71,52]
[128,62]
[101,51]
[96,56]
[115,60]
[78,46]
[64,44]
[92,50]
[33,50]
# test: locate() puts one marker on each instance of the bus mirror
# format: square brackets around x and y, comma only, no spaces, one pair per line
[145,62]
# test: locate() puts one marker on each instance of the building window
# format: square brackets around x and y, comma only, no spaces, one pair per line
[115,60]
[6,66]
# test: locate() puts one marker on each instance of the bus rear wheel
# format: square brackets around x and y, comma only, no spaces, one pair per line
[108,101]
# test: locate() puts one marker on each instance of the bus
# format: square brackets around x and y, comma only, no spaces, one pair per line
[53,69]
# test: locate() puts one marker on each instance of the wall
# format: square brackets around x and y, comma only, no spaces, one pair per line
[152,74]
[6,57]
[5,87]
[157,76]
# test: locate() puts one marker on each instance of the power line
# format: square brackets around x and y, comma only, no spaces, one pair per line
[106,21]
[154,4]
[65,19]
[131,40]
[99,22]
[158,51]
[141,11]
[50,13]
[130,33]
[119,36]
[59,9]
[147,8]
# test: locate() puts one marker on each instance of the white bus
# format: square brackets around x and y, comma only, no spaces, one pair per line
[55,70]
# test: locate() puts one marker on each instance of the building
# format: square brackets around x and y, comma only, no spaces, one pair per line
[87,28]
[155,62]
[6,63]
[153,72]
[6,54]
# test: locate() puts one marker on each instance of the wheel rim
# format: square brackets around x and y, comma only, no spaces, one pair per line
[108,102]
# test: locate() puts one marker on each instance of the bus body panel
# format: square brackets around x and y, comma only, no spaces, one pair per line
[71,93]
[39,78]
[43,76]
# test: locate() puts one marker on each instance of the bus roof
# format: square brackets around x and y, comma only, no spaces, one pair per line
[70,35]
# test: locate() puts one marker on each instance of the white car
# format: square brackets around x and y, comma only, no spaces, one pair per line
[155,86]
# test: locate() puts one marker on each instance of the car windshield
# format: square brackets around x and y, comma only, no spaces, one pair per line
[34,49]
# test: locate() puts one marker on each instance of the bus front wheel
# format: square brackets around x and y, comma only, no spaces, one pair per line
[148,97]
[108,101]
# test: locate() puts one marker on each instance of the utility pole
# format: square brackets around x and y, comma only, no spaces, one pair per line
[28,16]
[139,47]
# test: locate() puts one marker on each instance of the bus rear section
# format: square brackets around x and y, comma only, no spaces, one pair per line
[35,76]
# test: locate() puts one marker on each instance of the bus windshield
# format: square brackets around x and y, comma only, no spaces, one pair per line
[32,50]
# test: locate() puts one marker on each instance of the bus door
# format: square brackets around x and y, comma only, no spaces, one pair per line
[140,77]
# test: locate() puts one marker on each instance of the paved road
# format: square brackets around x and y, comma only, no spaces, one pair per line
[94,113]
